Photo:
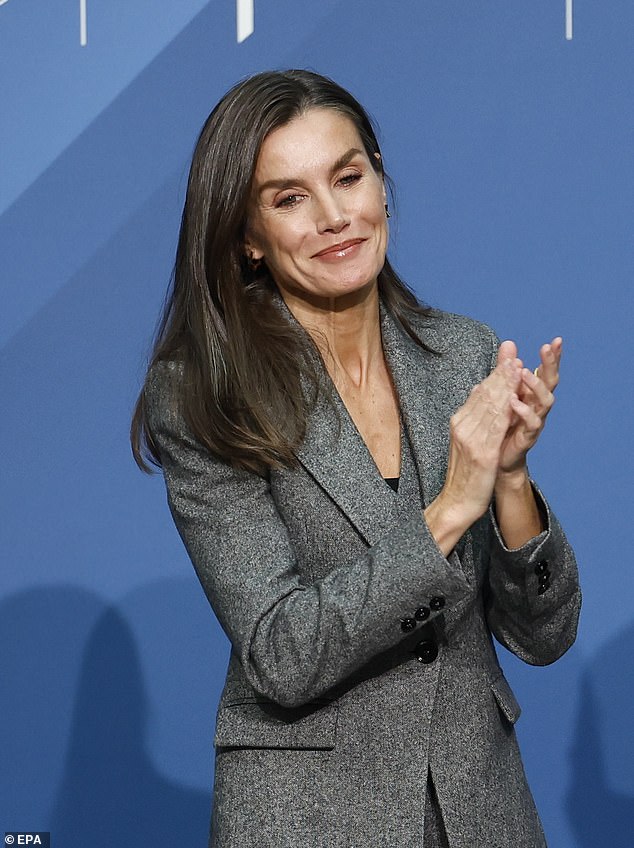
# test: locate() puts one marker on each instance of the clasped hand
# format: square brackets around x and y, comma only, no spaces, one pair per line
[491,434]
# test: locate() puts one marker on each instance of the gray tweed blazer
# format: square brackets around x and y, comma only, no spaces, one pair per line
[361,656]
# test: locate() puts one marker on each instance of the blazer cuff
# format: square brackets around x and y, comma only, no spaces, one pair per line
[541,568]
[522,553]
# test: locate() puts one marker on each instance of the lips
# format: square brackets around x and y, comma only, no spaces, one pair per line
[340,248]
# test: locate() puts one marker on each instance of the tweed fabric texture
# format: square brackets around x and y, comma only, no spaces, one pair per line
[328,725]
[434,835]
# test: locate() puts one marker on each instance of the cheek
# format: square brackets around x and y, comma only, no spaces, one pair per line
[290,238]
[375,217]
[269,237]
[373,208]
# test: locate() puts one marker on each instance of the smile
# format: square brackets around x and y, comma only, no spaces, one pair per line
[341,250]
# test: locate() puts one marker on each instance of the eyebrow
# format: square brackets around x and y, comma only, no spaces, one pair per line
[341,162]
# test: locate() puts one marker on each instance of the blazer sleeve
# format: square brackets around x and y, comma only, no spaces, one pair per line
[533,597]
[295,639]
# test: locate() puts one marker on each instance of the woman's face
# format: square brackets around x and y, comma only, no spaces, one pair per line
[317,209]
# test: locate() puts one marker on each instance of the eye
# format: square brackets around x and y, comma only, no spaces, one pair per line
[349,179]
[289,201]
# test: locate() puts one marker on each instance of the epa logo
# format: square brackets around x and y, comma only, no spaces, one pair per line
[42,839]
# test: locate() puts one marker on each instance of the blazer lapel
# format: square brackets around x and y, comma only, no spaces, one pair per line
[424,402]
[336,456]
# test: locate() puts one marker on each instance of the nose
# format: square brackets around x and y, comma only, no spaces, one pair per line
[331,216]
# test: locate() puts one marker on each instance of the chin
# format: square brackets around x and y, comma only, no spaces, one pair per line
[351,287]
[355,281]
[362,280]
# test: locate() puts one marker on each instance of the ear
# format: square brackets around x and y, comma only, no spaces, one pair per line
[377,156]
[252,251]
[253,255]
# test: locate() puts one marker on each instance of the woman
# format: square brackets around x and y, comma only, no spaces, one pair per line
[347,470]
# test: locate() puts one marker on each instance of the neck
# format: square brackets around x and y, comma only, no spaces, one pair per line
[346,330]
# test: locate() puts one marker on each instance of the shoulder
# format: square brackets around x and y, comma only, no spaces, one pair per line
[447,332]
[162,394]
[459,343]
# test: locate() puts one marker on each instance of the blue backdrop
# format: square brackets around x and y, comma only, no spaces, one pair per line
[511,150]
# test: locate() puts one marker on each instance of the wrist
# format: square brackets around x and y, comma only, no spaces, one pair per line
[446,524]
[512,482]
[449,519]
[516,511]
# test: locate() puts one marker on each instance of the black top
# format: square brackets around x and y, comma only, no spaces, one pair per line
[392,482]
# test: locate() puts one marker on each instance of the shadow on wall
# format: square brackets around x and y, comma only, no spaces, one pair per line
[601,796]
[111,794]
[42,637]
[75,731]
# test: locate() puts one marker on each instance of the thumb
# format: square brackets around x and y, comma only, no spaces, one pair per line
[507,350]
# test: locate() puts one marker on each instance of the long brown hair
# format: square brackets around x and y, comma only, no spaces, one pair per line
[243,365]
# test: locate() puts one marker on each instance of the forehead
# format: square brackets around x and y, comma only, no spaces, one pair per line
[315,139]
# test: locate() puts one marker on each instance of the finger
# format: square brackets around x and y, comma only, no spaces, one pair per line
[505,382]
[503,379]
[507,350]
[533,422]
[506,377]
[490,398]
[548,370]
[556,347]
[536,393]
[488,413]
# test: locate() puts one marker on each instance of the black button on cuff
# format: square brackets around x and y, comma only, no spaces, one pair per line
[437,603]
[407,625]
[422,614]
[426,651]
